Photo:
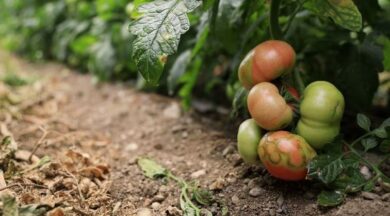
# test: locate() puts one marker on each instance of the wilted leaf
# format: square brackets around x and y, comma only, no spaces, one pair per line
[151,169]
[158,32]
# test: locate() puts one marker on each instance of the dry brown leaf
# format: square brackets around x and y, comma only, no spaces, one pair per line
[92,172]
[56,212]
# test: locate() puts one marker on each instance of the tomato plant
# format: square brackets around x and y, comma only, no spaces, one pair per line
[321,110]
[248,139]
[271,60]
[285,155]
[268,108]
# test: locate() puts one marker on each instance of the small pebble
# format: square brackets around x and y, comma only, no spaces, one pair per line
[131,147]
[173,111]
[235,159]
[228,150]
[370,196]
[144,212]
[173,211]
[366,172]
[218,184]
[272,212]
[280,201]
[198,173]
[309,195]
[235,199]
[256,191]
[158,198]
[386,197]
[155,205]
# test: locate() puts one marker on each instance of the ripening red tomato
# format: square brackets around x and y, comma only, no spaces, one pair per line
[268,108]
[245,71]
[272,59]
[285,155]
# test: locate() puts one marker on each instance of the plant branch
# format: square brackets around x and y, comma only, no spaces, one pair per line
[276,32]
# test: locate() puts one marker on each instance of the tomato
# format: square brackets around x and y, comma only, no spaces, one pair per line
[321,109]
[272,59]
[248,138]
[293,92]
[245,70]
[268,108]
[285,155]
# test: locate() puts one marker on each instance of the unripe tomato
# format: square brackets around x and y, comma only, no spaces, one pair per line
[268,108]
[245,70]
[248,138]
[272,59]
[321,109]
[285,155]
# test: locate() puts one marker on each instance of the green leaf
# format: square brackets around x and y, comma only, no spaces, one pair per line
[369,143]
[369,186]
[358,77]
[10,206]
[330,198]
[225,210]
[342,12]
[239,100]
[158,33]
[386,54]
[228,17]
[350,181]
[385,123]
[325,168]
[385,146]
[152,169]
[178,69]
[202,196]
[364,122]
[33,210]
[380,132]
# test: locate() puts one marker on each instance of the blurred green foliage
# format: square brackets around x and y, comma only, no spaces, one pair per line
[93,35]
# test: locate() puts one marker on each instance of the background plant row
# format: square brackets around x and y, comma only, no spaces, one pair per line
[93,35]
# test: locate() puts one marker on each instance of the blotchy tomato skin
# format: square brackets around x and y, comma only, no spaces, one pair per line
[272,59]
[245,70]
[321,109]
[285,155]
[248,139]
[268,108]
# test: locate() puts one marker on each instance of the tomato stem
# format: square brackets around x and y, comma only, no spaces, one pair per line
[276,32]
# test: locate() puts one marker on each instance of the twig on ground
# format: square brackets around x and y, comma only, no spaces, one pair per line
[23,185]
[38,143]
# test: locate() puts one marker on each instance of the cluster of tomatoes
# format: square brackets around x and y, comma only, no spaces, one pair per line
[285,154]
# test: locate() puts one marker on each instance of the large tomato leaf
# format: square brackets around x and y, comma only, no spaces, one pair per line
[357,78]
[325,168]
[342,12]
[158,31]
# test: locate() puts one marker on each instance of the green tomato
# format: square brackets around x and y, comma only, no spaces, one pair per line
[321,109]
[248,138]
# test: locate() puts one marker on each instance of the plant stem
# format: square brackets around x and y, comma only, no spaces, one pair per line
[292,16]
[368,163]
[359,139]
[276,32]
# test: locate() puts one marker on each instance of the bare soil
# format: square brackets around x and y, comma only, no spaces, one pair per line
[111,125]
